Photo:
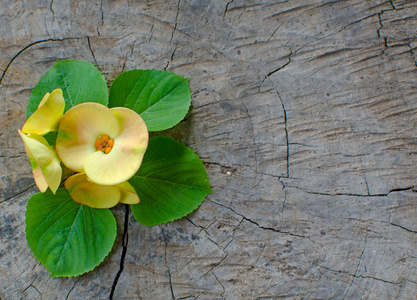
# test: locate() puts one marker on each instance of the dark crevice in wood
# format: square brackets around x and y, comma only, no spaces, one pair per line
[377,279]
[91,50]
[412,54]
[353,194]
[358,276]
[18,194]
[382,25]
[357,268]
[227,245]
[36,289]
[102,17]
[125,240]
[176,22]
[187,297]
[166,264]
[173,53]
[271,228]
[282,67]
[171,58]
[51,9]
[226,168]
[132,48]
[283,203]
[30,45]
[69,292]
[257,224]
[226,8]
[286,134]
[379,32]
[199,226]
[402,227]
[217,264]
[170,284]
[31,285]
[364,177]
[224,290]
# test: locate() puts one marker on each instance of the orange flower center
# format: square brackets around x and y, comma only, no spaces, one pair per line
[104,143]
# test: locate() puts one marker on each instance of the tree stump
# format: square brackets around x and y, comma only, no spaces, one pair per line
[304,115]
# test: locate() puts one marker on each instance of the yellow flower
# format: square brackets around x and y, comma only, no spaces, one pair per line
[46,167]
[94,195]
[46,117]
[106,144]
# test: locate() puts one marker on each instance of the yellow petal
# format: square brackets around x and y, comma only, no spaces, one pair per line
[53,174]
[78,131]
[128,194]
[46,118]
[91,194]
[39,179]
[46,166]
[125,158]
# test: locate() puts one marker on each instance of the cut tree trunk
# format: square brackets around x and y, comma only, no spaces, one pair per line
[304,113]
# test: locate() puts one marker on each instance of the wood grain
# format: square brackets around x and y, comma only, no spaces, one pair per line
[304,113]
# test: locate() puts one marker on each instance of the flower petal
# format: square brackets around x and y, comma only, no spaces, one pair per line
[125,158]
[46,167]
[91,194]
[46,117]
[39,179]
[78,131]
[53,174]
[128,194]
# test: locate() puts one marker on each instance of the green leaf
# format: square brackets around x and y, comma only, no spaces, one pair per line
[171,182]
[68,238]
[161,98]
[50,137]
[79,81]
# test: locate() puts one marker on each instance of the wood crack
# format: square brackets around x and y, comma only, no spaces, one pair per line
[31,285]
[217,264]
[413,55]
[357,268]
[359,276]
[125,240]
[170,284]
[282,67]
[226,8]
[257,224]
[91,50]
[176,22]
[166,264]
[72,288]
[18,194]
[402,227]
[30,45]
[51,9]
[102,18]
[286,134]
[224,290]
[353,194]
[171,58]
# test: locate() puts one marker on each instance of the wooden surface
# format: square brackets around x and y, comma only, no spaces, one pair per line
[304,112]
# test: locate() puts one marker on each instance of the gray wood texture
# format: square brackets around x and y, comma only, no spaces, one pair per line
[304,113]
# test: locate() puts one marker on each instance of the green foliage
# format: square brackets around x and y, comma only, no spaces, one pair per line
[68,238]
[161,98]
[171,182]
[79,81]
[50,137]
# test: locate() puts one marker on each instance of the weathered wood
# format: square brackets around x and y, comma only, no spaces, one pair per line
[304,114]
